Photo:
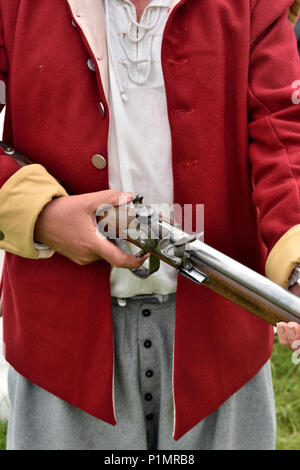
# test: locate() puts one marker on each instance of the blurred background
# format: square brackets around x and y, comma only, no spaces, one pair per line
[297,32]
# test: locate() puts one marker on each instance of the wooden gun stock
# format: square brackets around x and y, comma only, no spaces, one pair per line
[244,297]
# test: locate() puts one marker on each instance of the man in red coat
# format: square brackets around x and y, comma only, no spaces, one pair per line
[185,101]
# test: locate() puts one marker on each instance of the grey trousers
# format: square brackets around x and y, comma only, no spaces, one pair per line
[143,331]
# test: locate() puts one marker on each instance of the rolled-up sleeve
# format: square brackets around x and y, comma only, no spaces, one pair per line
[22,199]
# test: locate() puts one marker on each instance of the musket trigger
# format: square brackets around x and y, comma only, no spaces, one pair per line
[143,272]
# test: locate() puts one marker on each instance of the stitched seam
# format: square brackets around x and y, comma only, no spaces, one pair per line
[178,62]
[254,8]
[181,112]
[188,162]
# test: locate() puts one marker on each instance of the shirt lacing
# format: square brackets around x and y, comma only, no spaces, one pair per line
[135,37]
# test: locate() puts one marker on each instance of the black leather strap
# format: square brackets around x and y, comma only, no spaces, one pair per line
[18,157]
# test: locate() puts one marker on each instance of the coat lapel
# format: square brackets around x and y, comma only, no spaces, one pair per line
[173,4]
[89,15]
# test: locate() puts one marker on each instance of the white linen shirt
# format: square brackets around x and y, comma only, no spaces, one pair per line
[139,145]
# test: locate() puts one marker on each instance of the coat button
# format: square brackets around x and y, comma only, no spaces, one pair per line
[91,65]
[147,344]
[148,397]
[150,416]
[1,236]
[74,24]
[99,161]
[146,312]
[149,373]
[102,109]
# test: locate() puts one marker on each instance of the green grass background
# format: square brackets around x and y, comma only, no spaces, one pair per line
[286,378]
[2,435]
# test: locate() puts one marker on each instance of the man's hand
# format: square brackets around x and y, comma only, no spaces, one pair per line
[68,226]
[288,333]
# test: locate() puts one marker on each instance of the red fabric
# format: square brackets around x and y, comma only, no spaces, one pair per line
[7,165]
[226,64]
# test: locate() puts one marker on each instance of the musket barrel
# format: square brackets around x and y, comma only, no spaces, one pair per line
[227,277]
[254,282]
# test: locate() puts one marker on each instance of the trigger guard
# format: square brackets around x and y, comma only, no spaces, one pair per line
[142,272]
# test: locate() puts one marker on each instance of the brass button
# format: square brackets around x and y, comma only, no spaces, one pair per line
[99,161]
[1,236]
[102,109]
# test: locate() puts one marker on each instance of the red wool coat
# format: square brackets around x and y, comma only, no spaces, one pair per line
[228,67]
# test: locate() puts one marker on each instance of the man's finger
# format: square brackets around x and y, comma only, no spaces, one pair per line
[291,333]
[295,289]
[116,257]
[282,334]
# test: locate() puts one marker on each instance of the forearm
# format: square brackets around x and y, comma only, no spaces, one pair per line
[24,194]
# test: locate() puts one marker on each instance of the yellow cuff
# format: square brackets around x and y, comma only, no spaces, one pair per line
[284,257]
[22,199]
[294,12]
